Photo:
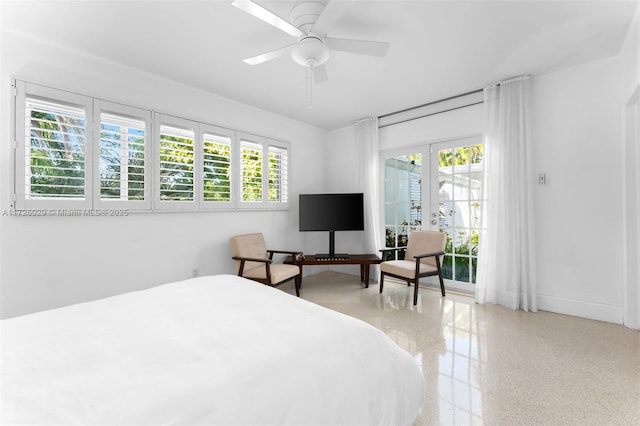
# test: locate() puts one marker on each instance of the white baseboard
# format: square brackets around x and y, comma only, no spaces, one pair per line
[580,308]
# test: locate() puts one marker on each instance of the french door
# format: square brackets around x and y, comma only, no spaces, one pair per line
[443,181]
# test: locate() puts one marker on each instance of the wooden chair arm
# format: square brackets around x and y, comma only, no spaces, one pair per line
[252,259]
[420,256]
[292,253]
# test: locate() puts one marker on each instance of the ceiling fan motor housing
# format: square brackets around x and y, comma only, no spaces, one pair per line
[303,15]
[310,51]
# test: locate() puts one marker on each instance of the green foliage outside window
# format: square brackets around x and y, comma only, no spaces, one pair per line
[461,156]
[465,250]
[56,155]
[251,174]
[217,172]
[111,167]
[275,176]
[176,168]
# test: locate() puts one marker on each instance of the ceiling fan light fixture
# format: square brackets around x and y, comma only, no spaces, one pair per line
[310,51]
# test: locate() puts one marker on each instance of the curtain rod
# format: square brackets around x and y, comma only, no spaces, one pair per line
[520,77]
[431,103]
[428,115]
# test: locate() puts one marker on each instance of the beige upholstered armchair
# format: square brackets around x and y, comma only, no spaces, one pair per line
[254,261]
[423,258]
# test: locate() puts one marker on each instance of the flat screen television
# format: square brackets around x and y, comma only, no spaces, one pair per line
[331,212]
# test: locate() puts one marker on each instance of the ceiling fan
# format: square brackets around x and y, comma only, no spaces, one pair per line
[310,22]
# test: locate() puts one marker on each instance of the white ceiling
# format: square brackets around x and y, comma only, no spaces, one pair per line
[438,48]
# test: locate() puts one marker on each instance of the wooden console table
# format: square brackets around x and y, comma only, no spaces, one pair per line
[364,260]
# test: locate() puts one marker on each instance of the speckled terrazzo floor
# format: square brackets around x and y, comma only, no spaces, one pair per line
[485,364]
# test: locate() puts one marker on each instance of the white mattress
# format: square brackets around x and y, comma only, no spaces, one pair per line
[212,350]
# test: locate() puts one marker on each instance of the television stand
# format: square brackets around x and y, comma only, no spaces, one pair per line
[335,256]
[364,260]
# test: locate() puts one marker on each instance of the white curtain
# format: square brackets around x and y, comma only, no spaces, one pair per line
[366,137]
[506,261]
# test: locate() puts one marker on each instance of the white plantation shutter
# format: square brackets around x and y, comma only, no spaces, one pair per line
[77,152]
[217,191]
[264,174]
[121,158]
[53,155]
[251,169]
[124,135]
[176,166]
[56,150]
[278,175]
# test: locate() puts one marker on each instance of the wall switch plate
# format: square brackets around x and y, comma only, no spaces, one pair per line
[542,179]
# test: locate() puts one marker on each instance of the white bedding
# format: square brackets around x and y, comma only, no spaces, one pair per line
[212,350]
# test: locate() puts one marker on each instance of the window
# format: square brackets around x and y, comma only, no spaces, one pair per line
[270,189]
[78,152]
[124,136]
[56,151]
[441,183]
[176,170]
[121,158]
[251,167]
[403,203]
[217,147]
[278,175]
[459,168]
[52,153]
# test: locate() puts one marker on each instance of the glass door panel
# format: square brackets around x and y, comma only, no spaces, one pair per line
[403,200]
[452,196]
[456,189]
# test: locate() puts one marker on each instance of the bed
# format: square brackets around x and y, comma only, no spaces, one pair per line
[218,350]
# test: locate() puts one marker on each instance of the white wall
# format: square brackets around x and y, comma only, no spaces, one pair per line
[454,124]
[53,261]
[577,144]
[576,133]
[630,56]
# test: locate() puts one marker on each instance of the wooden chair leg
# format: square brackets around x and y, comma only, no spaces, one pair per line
[298,281]
[439,266]
[381,281]
[415,294]
[441,282]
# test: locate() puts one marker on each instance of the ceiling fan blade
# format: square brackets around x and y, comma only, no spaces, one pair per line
[331,14]
[259,59]
[267,16]
[362,47]
[320,74]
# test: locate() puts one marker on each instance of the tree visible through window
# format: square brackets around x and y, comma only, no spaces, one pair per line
[454,176]
[176,164]
[251,171]
[55,150]
[122,158]
[76,151]
[278,175]
[460,177]
[217,168]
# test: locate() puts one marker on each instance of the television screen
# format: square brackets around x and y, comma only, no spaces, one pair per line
[331,212]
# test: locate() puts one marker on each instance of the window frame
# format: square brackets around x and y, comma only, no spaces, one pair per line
[25,90]
[279,145]
[102,106]
[265,143]
[222,133]
[93,109]
[185,125]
